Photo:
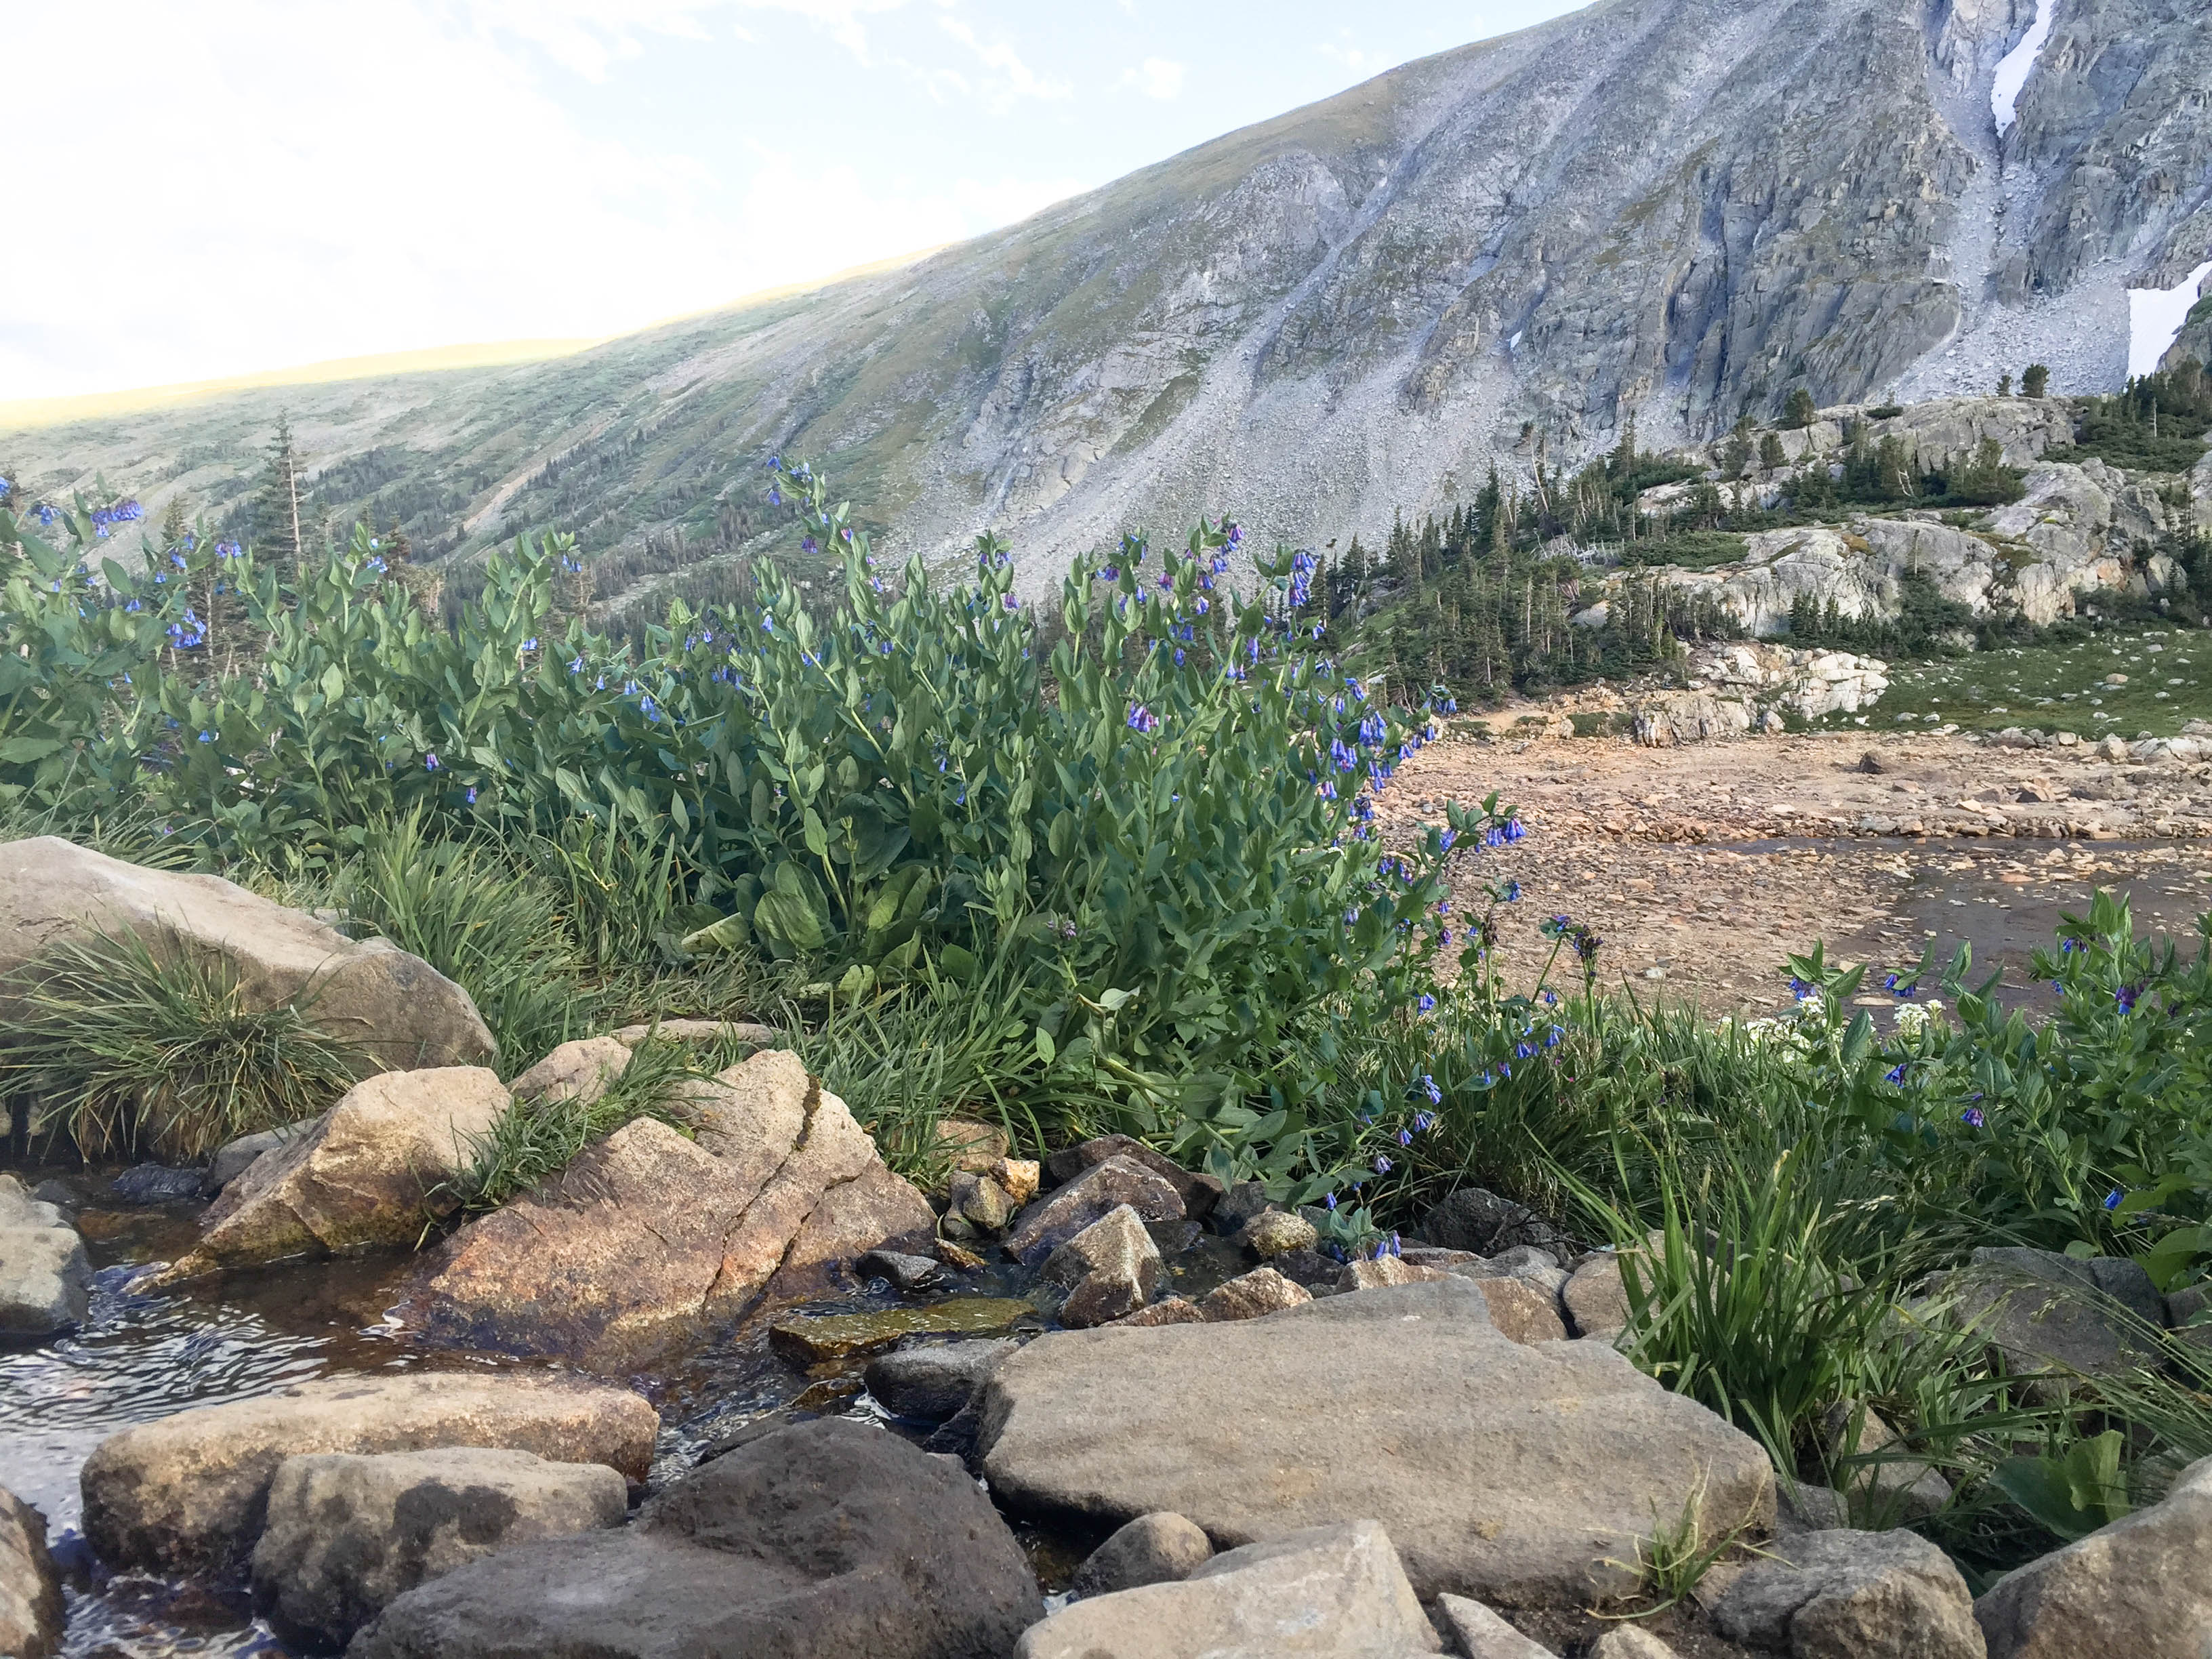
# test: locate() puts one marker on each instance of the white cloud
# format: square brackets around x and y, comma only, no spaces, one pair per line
[1158,77]
[1010,77]
[1353,58]
[346,179]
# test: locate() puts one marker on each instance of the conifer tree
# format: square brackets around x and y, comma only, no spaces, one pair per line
[1798,412]
[2035,381]
[284,505]
[1770,452]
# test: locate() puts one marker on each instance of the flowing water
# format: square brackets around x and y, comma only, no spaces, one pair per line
[143,1356]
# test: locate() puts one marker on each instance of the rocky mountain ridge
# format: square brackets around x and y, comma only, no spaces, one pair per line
[1677,210]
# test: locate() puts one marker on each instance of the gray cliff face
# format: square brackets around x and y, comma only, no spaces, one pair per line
[1680,209]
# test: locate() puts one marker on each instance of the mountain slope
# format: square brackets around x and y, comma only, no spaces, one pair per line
[1680,209]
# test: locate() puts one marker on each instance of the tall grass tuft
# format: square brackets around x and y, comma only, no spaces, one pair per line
[535,1139]
[126,1053]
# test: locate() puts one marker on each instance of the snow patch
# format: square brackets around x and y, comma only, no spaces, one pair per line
[2156,316]
[2013,70]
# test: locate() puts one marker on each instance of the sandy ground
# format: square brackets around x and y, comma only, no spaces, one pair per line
[1703,867]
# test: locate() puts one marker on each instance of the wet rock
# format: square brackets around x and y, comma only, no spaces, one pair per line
[581,1072]
[1596,1299]
[1110,1269]
[1333,1590]
[1250,1295]
[979,1201]
[823,1541]
[2048,1312]
[233,1158]
[186,1493]
[1848,1595]
[1153,1549]
[148,1185]
[1018,1177]
[902,1271]
[808,1339]
[348,1534]
[1383,1271]
[30,1587]
[1474,1220]
[957,1257]
[972,1146]
[1536,1466]
[648,1239]
[1199,1193]
[1172,1310]
[2137,1586]
[931,1385]
[1277,1232]
[371,1171]
[1054,1219]
[698,1032]
[45,1275]
[395,1007]
[1480,1633]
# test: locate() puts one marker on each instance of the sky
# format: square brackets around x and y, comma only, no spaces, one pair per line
[229,186]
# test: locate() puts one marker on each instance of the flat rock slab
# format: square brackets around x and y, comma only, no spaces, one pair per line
[188,1493]
[1516,1475]
[395,1007]
[830,1540]
[810,1341]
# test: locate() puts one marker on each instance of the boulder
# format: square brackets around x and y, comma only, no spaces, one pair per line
[394,1007]
[1200,1193]
[979,1200]
[374,1169]
[347,1534]
[1517,1475]
[234,1158]
[1480,1633]
[826,1540]
[649,1239]
[1846,1594]
[30,1589]
[1595,1298]
[1337,1589]
[1524,1309]
[901,1271]
[1237,1205]
[1110,1269]
[1886,1485]
[1054,1219]
[2137,1586]
[187,1493]
[1484,1223]
[45,1275]
[1248,1296]
[2048,1312]
[931,1385]
[148,1186]
[1153,1549]
[581,1072]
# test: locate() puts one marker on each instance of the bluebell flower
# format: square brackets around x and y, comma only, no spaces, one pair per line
[2112,1199]
[430,763]
[1972,1117]
[1429,1088]
[472,795]
[2125,998]
[1427,1004]
[1895,1073]
[1382,1164]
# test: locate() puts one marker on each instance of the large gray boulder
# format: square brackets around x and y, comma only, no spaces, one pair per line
[394,1007]
[188,1493]
[1338,1590]
[373,1170]
[2046,1312]
[650,1240]
[1518,1475]
[2137,1587]
[30,1589]
[1846,1594]
[346,1535]
[828,1540]
[1107,1186]
[1109,1269]
[44,1271]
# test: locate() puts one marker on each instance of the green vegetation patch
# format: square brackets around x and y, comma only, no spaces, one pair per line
[2060,687]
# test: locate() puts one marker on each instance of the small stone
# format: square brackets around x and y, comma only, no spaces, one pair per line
[810,1340]
[1019,1176]
[1871,762]
[972,1146]
[1846,1595]
[1521,1257]
[1595,1298]
[1058,1217]
[931,1385]
[981,1202]
[1631,1642]
[581,1072]
[954,1255]
[1384,1270]
[1276,1232]
[1160,1548]
[1111,1268]
[1252,1296]
[1524,1310]
[905,1273]
[1481,1634]
[1175,1310]
[151,1184]
[45,1275]
[1199,1193]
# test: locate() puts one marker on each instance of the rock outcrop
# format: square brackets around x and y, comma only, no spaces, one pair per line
[1336,1589]
[188,1493]
[346,1536]
[45,1275]
[823,1541]
[375,1169]
[395,1008]
[1515,1474]
[650,1239]
[30,1588]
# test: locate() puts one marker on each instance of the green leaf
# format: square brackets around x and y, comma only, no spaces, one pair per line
[1045,1048]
